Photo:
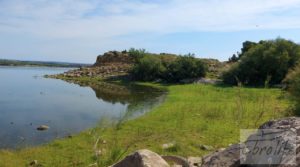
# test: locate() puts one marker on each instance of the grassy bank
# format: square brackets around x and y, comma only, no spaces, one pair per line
[191,116]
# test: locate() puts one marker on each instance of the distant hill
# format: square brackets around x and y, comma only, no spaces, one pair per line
[6,62]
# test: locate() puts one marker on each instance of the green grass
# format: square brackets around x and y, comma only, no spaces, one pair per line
[192,115]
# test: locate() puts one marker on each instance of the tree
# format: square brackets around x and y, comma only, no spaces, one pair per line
[267,60]
[234,58]
[247,45]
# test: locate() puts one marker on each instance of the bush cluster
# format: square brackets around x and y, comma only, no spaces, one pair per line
[293,82]
[137,54]
[168,68]
[148,68]
[264,61]
[184,67]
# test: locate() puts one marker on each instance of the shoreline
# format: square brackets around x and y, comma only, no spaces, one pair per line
[181,119]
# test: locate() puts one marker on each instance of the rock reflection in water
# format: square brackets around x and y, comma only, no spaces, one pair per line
[138,98]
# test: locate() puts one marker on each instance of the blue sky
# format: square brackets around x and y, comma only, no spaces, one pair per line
[78,31]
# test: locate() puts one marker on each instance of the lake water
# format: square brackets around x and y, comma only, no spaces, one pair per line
[28,100]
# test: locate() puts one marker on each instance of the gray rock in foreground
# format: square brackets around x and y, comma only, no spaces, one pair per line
[142,158]
[230,157]
[227,158]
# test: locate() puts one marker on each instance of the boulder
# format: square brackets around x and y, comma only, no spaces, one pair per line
[230,157]
[227,158]
[142,158]
[287,124]
[42,128]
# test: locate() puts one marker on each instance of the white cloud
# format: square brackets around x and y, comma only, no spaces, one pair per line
[104,19]
[81,29]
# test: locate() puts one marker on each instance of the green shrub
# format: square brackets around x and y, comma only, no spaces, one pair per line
[293,83]
[266,60]
[184,67]
[230,76]
[148,68]
[137,54]
[169,68]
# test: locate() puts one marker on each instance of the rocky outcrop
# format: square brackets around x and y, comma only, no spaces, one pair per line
[112,64]
[142,158]
[113,57]
[104,71]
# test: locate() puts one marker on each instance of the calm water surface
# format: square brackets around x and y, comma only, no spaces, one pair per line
[28,100]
